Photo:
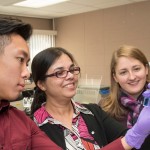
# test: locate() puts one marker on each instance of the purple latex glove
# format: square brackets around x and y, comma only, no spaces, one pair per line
[137,134]
[146,95]
[147,92]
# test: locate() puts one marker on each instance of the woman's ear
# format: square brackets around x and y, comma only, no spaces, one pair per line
[147,69]
[40,84]
[114,76]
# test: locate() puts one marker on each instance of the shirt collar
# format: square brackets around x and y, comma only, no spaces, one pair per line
[41,115]
[80,108]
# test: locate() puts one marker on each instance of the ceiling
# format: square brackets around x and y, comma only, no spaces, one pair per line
[59,10]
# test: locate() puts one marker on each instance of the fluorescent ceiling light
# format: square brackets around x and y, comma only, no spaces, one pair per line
[38,3]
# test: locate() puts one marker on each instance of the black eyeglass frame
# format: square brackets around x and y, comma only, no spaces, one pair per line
[71,70]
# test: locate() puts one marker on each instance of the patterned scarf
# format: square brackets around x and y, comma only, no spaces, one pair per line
[134,107]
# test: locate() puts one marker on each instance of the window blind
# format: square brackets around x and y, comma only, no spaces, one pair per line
[40,40]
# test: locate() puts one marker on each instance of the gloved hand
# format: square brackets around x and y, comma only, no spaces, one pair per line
[146,95]
[147,92]
[137,134]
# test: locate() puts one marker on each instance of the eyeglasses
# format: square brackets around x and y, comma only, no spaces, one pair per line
[64,73]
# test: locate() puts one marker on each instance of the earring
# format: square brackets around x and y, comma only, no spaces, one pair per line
[43,89]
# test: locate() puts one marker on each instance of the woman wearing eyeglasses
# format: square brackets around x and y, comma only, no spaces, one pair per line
[71,125]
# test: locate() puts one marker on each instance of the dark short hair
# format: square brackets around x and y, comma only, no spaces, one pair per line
[9,25]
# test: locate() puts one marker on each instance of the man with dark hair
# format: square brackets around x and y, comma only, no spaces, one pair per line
[17,131]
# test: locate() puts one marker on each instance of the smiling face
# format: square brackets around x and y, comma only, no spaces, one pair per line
[131,75]
[60,88]
[13,64]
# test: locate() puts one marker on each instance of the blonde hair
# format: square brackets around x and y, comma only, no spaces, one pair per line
[111,104]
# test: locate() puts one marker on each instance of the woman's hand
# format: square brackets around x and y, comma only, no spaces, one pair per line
[137,134]
[146,94]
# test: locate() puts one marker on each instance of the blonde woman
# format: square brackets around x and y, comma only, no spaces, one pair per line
[130,74]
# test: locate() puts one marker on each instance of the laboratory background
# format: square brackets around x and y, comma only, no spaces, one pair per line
[91,30]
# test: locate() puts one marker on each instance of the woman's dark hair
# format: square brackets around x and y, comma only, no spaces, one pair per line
[40,65]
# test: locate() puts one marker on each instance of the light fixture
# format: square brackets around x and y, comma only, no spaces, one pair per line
[38,3]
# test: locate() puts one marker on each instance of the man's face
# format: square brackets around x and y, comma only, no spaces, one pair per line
[13,68]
